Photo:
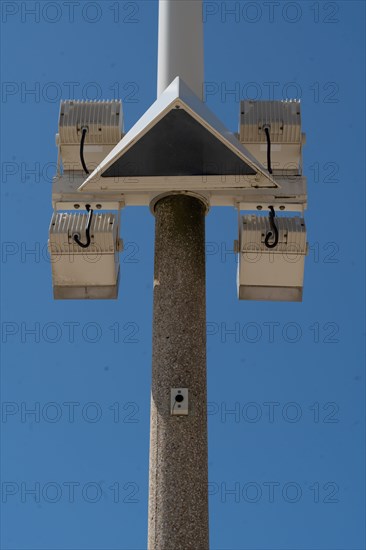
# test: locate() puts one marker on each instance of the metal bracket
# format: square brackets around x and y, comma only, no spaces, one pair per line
[65,194]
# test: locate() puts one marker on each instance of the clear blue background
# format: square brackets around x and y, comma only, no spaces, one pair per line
[312,448]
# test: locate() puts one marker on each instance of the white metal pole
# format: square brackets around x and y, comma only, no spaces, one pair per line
[181,44]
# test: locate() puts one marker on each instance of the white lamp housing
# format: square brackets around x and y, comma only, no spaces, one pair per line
[104,123]
[283,120]
[272,274]
[84,273]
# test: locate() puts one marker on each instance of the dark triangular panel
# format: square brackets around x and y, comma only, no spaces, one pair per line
[178,145]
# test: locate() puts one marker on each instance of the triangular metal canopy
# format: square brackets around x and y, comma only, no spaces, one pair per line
[178,137]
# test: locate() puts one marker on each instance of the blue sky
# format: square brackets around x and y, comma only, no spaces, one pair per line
[286,468]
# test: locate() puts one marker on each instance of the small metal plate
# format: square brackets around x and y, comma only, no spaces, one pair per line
[179,401]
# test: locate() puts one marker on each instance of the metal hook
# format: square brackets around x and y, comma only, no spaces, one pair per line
[274,232]
[87,230]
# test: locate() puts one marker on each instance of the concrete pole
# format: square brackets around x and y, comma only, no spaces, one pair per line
[181,44]
[178,490]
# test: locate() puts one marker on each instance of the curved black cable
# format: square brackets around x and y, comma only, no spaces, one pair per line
[83,136]
[269,167]
[274,232]
[87,230]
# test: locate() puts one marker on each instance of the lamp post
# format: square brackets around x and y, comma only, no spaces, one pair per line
[178,480]
[180,159]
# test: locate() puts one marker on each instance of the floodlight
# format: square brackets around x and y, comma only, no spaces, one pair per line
[97,125]
[271,132]
[271,258]
[84,250]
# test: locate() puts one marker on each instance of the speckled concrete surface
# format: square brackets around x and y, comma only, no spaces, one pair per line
[178,499]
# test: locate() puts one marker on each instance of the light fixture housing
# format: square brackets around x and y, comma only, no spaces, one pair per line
[283,120]
[104,123]
[271,274]
[84,273]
